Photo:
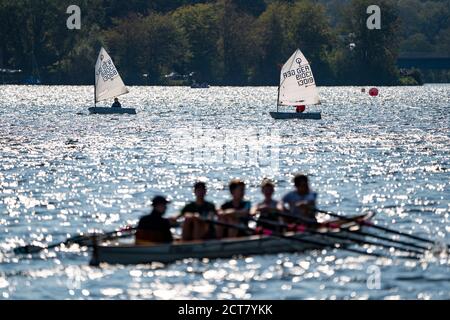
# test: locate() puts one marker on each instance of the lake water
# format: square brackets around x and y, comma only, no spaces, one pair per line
[63,172]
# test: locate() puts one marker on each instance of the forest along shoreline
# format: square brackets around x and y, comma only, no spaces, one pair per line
[222,42]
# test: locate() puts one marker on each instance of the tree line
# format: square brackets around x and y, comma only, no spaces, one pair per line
[223,42]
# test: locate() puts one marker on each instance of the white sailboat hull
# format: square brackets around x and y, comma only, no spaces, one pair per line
[295,115]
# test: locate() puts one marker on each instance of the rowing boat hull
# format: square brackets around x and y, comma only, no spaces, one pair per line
[246,246]
[99,110]
[295,115]
[214,249]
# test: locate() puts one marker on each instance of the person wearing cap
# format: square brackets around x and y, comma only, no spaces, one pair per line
[194,228]
[301,202]
[154,228]
[236,211]
[269,209]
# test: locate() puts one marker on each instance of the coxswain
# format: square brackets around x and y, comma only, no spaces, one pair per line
[154,228]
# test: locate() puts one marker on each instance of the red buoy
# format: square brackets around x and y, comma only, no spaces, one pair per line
[374,92]
[300,109]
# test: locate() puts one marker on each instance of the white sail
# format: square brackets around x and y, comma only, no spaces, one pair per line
[108,83]
[297,84]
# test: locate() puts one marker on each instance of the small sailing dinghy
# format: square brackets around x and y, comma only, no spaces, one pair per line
[196,85]
[108,85]
[297,88]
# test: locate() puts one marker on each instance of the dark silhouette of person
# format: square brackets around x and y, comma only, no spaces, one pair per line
[154,227]
[116,104]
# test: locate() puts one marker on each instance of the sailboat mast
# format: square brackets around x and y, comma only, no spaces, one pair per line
[278,99]
[95,87]
[95,92]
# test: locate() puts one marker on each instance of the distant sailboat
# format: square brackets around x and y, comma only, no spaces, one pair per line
[108,85]
[196,85]
[297,88]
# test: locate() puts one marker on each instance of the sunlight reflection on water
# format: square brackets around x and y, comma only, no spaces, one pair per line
[63,172]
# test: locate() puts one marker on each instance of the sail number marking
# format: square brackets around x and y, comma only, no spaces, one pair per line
[107,70]
[303,75]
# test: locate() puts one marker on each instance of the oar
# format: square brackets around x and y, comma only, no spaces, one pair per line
[31,249]
[388,230]
[367,234]
[401,242]
[343,237]
[302,240]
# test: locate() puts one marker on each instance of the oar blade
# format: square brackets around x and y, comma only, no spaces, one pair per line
[30,249]
[82,240]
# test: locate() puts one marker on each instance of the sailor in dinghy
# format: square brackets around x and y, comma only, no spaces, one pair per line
[116,104]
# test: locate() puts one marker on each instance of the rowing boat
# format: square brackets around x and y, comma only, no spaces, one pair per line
[128,254]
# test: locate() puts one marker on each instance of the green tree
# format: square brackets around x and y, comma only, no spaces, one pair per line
[151,45]
[309,29]
[373,59]
[443,41]
[270,44]
[30,25]
[199,24]
[233,42]
[76,50]
[253,7]
[416,43]
[76,66]
[234,45]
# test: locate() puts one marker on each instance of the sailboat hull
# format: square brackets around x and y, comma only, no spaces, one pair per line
[98,110]
[295,115]
[200,86]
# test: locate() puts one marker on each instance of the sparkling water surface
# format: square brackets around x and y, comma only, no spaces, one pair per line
[63,172]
